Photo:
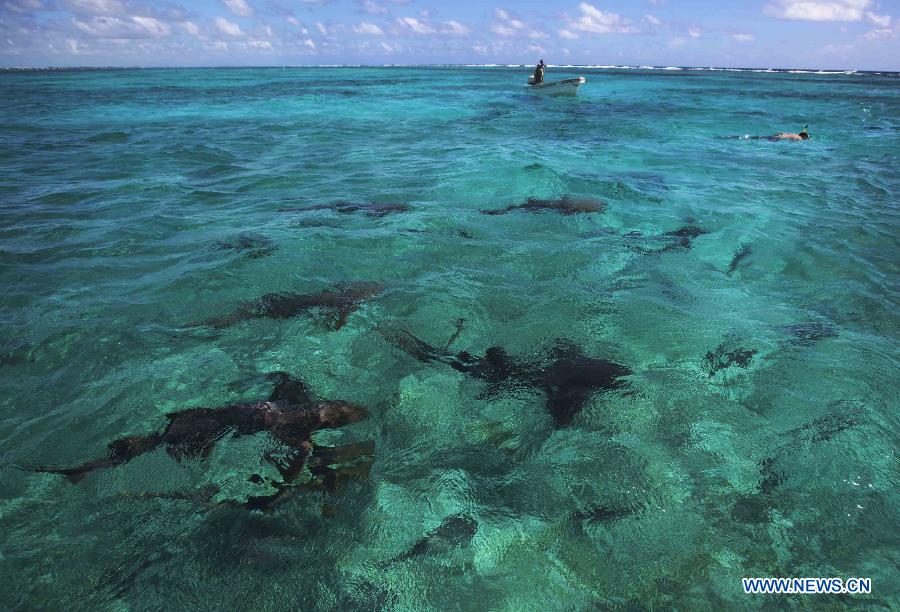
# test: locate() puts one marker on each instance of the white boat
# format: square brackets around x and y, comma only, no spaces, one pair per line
[566,87]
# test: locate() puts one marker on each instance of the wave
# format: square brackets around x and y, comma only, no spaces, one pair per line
[690,69]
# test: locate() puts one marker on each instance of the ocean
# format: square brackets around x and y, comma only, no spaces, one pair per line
[670,363]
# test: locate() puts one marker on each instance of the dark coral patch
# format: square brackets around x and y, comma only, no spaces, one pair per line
[253,246]
[721,358]
[751,509]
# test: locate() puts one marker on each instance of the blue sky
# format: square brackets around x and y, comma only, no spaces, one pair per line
[846,34]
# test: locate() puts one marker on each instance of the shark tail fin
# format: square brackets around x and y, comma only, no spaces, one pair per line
[411,345]
[73,475]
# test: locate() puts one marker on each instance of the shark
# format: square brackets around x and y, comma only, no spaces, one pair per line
[340,302]
[569,378]
[290,415]
[565,206]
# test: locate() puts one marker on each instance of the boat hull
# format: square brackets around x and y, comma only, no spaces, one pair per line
[566,87]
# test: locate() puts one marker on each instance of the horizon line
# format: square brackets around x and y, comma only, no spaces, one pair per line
[847,71]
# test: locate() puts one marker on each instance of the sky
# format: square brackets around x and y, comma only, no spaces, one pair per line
[838,34]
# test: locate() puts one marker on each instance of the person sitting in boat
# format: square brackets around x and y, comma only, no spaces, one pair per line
[538,77]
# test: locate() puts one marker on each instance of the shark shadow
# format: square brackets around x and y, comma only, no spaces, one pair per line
[454,532]
[374,210]
[740,255]
[805,335]
[253,246]
[776,470]
[606,514]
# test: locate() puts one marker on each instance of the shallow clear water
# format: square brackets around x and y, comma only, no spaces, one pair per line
[122,189]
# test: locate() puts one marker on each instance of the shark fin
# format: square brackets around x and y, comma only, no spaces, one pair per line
[288,388]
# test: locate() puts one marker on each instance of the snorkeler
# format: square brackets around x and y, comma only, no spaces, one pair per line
[803,135]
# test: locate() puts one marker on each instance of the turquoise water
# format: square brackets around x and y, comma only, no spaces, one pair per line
[757,434]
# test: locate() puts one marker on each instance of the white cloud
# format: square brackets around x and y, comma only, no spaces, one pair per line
[227,27]
[676,43]
[653,20]
[154,27]
[695,32]
[419,27]
[309,42]
[367,27]
[72,44]
[595,20]
[239,7]
[293,21]
[537,49]
[743,38]
[23,6]
[879,34]
[480,49]
[882,21]
[818,10]
[260,44]
[190,27]
[507,25]
[454,27]
[321,28]
[386,48]
[373,8]
[96,7]
[568,35]
[537,35]
[134,27]
[840,50]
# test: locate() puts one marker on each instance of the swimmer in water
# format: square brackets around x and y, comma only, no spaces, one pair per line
[803,135]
